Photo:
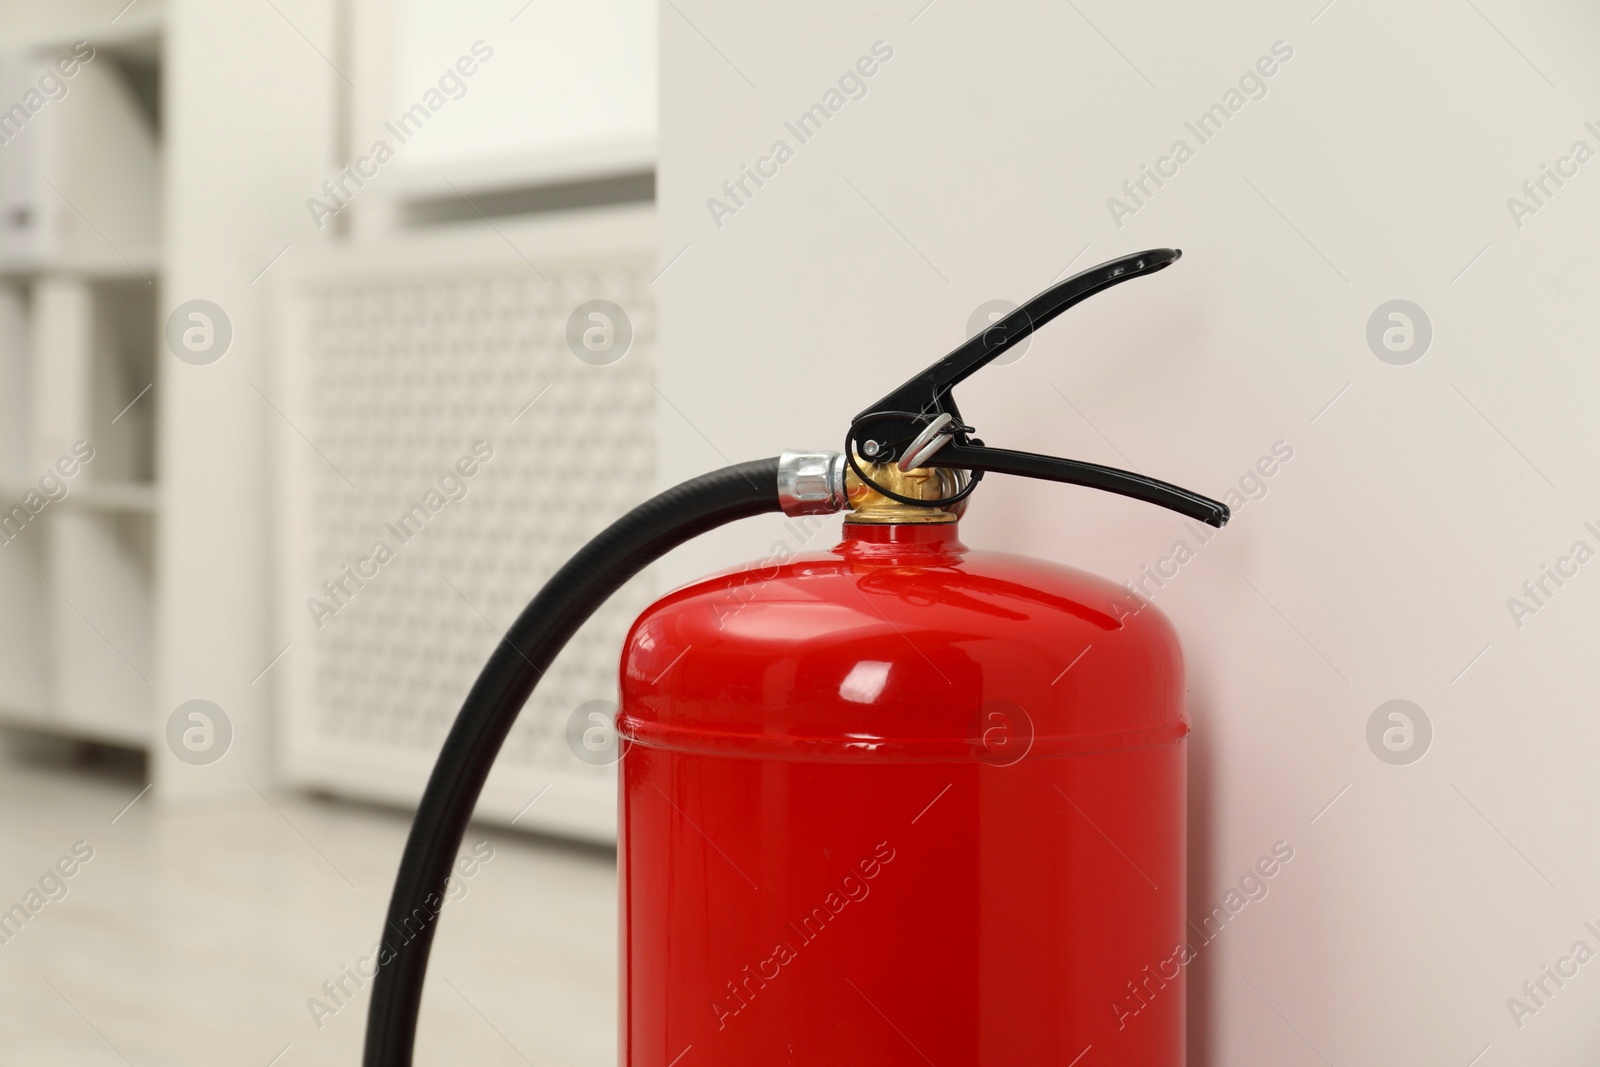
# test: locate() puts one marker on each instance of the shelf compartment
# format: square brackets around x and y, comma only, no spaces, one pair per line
[100,571]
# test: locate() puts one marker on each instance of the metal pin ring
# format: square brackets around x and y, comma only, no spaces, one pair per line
[930,440]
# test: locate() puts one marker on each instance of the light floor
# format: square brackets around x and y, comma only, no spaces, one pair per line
[196,936]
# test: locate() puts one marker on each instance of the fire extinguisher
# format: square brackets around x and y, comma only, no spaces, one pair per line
[899,802]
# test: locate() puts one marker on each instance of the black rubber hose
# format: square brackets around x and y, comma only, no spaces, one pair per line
[573,594]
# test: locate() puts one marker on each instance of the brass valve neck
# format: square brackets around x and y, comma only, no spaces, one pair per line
[868,506]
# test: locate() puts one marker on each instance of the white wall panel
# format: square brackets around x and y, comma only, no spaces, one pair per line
[1374,164]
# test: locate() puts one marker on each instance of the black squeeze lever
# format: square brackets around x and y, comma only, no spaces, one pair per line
[919,425]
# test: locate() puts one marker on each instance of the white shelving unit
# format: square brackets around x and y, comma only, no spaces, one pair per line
[149,583]
[79,274]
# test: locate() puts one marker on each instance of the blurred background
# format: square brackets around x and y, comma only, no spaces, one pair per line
[329,328]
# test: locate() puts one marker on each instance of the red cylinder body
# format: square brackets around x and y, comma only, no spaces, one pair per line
[902,803]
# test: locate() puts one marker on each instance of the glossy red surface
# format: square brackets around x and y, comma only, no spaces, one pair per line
[902,803]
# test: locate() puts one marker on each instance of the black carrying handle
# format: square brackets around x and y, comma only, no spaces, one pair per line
[902,424]
[1076,472]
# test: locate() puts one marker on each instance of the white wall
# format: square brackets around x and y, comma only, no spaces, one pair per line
[1378,565]
[568,92]
[581,81]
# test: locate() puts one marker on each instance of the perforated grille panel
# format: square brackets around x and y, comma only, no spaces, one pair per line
[458,452]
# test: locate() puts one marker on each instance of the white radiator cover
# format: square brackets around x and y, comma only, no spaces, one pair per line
[401,361]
